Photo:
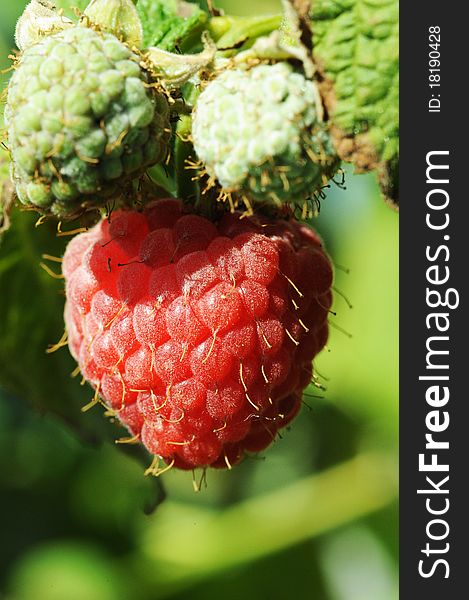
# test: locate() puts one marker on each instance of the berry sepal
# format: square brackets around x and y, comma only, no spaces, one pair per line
[39,19]
[119,17]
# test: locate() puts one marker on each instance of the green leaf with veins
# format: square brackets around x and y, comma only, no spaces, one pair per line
[31,305]
[356,49]
[171,24]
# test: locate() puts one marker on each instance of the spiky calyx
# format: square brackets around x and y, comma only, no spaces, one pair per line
[82,120]
[258,132]
[199,336]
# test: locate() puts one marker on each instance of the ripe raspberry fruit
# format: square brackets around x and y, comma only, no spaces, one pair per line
[82,120]
[199,335]
[258,131]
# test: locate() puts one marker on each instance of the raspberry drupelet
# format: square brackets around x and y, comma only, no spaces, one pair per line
[199,336]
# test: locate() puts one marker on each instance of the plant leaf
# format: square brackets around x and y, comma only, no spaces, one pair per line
[31,305]
[356,50]
[171,24]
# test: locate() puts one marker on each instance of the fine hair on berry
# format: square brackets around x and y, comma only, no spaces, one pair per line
[83,119]
[198,335]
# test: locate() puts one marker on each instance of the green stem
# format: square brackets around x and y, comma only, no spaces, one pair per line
[187,189]
[231,31]
[218,26]
[260,526]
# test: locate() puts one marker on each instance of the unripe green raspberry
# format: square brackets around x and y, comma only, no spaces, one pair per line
[257,131]
[82,121]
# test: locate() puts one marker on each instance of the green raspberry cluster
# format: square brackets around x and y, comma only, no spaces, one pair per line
[82,120]
[258,131]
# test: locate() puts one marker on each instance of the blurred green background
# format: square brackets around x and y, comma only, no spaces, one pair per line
[316,517]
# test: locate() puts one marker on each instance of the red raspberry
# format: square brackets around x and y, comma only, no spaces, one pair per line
[199,335]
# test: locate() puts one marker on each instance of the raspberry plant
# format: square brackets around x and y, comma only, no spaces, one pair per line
[357,52]
[195,318]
